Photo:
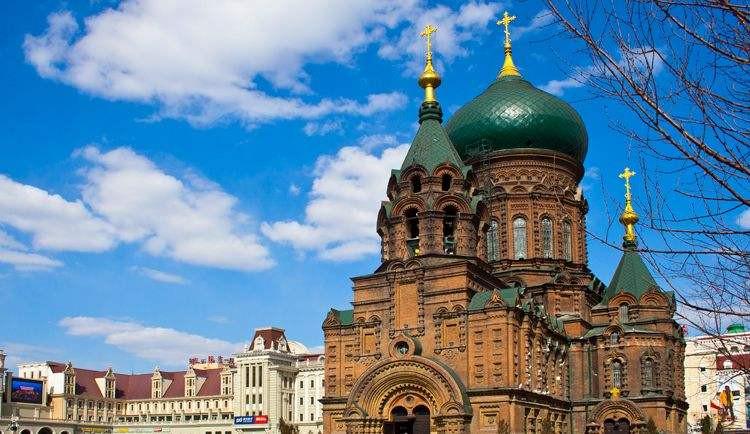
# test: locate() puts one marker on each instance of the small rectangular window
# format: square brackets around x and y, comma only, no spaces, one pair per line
[704,388]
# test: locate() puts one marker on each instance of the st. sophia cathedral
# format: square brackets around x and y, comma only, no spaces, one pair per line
[483,315]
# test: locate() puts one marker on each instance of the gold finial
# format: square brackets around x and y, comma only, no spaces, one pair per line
[628,217]
[429,80]
[509,68]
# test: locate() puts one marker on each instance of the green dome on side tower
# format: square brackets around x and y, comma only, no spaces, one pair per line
[513,114]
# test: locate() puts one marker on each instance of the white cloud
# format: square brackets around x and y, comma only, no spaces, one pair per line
[17,353]
[25,261]
[340,216]
[294,189]
[9,242]
[53,222]
[158,344]
[127,198]
[744,219]
[323,128]
[455,28]
[14,253]
[542,18]
[160,276]
[638,62]
[218,319]
[558,87]
[208,61]
[190,219]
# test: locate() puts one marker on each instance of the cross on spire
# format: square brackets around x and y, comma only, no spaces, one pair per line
[427,32]
[626,175]
[628,217]
[505,21]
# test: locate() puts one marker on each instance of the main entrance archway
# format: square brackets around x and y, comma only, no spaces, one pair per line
[621,426]
[408,395]
[402,422]
[620,416]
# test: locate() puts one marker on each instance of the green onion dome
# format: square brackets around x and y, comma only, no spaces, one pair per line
[513,114]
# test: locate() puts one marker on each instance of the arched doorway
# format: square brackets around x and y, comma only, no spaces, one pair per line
[401,423]
[621,426]
[404,395]
[25,432]
[45,430]
[421,419]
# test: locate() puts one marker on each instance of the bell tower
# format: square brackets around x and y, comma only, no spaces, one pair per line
[430,209]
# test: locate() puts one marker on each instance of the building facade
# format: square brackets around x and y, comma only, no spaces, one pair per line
[310,384]
[483,315]
[716,379]
[253,392]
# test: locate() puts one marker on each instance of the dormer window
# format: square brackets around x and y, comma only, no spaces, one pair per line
[259,343]
[449,230]
[614,338]
[416,184]
[623,313]
[412,232]
[447,181]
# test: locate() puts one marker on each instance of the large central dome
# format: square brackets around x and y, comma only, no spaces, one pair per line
[513,114]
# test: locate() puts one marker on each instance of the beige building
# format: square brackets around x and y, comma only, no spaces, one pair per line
[310,386]
[713,363]
[253,393]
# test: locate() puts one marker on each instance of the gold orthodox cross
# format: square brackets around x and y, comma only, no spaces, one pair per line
[626,175]
[505,21]
[427,34]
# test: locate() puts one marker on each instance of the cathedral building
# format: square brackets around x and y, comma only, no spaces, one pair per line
[484,315]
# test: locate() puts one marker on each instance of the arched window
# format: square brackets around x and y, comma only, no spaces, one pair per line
[449,230]
[648,373]
[491,241]
[614,338]
[416,184]
[617,374]
[519,237]
[623,313]
[546,238]
[412,232]
[567,241]
[447,181]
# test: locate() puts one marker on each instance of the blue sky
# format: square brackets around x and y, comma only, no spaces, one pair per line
[173,177]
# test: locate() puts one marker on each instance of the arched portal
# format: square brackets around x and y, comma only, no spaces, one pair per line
[45,430]
[621,426]
[408,395]
[619,416]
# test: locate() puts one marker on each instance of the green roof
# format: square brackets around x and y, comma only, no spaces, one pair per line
[599,330]
[631,276]
[431,146]
[480,299]
[513,114]
[345,317]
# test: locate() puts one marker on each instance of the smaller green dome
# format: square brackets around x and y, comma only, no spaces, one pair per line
[513,114]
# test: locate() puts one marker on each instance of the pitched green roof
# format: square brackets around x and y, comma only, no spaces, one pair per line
[431,147]
[480,299]
[632,276]
[345,317]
